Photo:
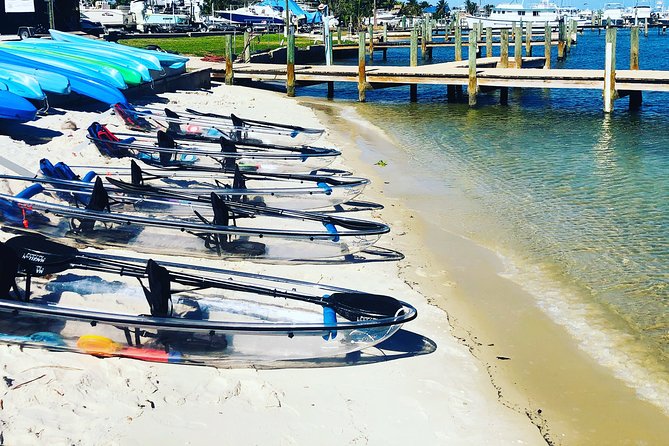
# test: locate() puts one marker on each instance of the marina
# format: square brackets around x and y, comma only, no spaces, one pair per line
[510,244]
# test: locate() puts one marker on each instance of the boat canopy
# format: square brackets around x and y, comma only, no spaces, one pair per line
[295,9]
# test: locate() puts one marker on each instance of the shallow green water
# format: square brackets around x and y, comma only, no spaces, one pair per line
[576,203]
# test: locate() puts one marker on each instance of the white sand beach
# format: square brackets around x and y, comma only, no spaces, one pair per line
[424,387]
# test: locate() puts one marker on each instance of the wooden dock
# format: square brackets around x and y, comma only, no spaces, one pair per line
[457,73]
[475,73]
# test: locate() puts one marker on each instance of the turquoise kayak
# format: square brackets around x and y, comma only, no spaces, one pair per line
[22,84]
[81,81]
[105,74]
[49,81]
[170,60]
[14,107]
[100,55]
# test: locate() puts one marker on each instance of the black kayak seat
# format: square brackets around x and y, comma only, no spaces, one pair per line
[172,126]
[9,265]
[158,294]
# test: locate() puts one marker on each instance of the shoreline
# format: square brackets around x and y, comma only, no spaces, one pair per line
[395,393]
[562,390]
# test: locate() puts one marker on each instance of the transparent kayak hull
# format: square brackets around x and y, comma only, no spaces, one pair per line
[295,192]
[173,226]
[232,317]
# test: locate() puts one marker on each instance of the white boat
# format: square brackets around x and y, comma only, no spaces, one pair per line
[614,13]
[149,18]
[109,17]
[639,12]
[507,15]
[254,15]
[386,17]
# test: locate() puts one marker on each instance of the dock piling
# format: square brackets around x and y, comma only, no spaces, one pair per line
[229,76]
[636,97]
[472,86]
[247,47]
[362,76]
[518,47]
[413,61]
[561,43]
[371,42]
[488,42]
[528,39]
[290,64]
[458,41]
[610,70]
[548,36]
[504,49]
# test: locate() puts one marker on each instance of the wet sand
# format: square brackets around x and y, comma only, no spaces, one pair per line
[537,368]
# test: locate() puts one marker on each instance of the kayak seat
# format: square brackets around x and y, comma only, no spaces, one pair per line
[98,201]
[10,266]
[64,172]
[158,294]
[130,117]
[172,125]
[47,168]
[108,143]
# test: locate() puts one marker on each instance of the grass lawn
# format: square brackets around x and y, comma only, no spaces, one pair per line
[215,45]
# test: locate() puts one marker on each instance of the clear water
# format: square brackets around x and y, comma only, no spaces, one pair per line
[576,200]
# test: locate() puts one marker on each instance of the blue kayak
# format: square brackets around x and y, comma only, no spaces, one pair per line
[22,84]
[83,84]
[166,59]
[88,52]
[109,75]
[16,108]
[49,81]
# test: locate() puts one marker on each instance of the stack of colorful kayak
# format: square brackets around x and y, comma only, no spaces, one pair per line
[211,186]
[32,68]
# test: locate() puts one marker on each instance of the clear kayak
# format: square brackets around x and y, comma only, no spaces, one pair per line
[192,124]
[286,191]
[58,298]
[164,151]
[216,228]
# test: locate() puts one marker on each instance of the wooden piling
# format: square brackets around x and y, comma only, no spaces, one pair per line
[339,34]
[371,42]
[504,96]
[385,32]
[645,28]
[528,39]
[458,42]
[518,48]
[488,42]
[504,49]
[229,76]
[330,90]
[413,48]
[290,64]
[636,97]
[472,86]
[548,37]
[561,44]
[330,50]
[570,33]
[610,70]
[634,48]
[362,75]
[423,40]
[247,47]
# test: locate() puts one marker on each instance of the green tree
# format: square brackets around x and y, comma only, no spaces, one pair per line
[412,8]
[471,7]
[488,9]
[442,9]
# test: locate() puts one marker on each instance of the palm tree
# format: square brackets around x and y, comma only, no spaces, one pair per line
[442,9]
[471,7]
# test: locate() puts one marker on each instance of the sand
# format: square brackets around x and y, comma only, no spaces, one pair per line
[423,387]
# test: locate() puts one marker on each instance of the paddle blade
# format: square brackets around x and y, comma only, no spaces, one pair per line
[362,306]
[40,256]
